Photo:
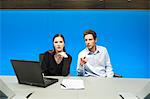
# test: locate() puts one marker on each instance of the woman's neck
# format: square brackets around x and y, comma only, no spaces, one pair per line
[58,51]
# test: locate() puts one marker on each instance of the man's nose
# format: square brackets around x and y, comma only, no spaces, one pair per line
[87,42]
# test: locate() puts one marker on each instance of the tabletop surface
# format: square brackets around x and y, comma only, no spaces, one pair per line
[95,88]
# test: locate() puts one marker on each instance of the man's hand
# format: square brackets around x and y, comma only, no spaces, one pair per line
[83,61]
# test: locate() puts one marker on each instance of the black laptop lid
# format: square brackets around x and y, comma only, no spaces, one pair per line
[28,72]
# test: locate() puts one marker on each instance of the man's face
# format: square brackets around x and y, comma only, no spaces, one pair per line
[89,41]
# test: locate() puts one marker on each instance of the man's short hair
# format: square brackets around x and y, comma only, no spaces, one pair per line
[90,32]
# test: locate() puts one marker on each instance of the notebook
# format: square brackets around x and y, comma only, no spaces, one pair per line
[30,73]
[72,84]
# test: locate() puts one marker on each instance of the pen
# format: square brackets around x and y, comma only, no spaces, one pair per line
[29,95]
[63,85]
[121,96]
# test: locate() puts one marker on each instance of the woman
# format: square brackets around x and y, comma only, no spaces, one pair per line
[56,62]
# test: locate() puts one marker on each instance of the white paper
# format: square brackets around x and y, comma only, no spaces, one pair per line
[72,84]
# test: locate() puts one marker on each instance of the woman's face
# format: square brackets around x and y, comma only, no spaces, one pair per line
[58,44]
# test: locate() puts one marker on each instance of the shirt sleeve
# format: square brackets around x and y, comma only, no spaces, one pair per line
[80,69]
[109,72]
[94,70]
[48,67]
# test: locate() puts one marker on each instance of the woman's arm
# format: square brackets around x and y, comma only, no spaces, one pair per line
[66,65]
[44,64]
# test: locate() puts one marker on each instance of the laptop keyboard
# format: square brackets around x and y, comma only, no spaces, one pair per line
[46,81]
[49,81]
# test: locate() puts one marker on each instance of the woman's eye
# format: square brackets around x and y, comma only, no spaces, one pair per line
[60,41]
[56,42]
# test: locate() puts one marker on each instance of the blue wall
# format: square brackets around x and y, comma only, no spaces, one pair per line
[27,33]
[149,43]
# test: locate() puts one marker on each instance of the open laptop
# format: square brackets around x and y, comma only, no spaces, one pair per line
[30,73]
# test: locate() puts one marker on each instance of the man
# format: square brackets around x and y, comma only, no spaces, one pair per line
[94,60]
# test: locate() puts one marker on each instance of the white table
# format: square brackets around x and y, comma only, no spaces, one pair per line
[95,88]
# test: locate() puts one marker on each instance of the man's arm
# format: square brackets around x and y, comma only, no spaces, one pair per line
[109,69]
[80,68]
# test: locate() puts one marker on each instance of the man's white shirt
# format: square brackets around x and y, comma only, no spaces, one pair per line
[98,63]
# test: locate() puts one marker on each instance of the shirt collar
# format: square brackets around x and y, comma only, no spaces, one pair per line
[96,52]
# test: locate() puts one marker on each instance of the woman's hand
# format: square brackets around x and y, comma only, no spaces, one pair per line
[63,54]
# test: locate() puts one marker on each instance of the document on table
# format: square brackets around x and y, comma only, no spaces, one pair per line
[72,84]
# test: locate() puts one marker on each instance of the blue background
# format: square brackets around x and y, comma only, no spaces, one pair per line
[24,34]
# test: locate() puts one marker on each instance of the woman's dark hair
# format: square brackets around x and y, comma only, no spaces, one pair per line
[59,35]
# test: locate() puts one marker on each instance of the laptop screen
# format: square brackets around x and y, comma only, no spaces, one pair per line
[28,71]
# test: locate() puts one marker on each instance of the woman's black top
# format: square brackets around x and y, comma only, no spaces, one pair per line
[51,68]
